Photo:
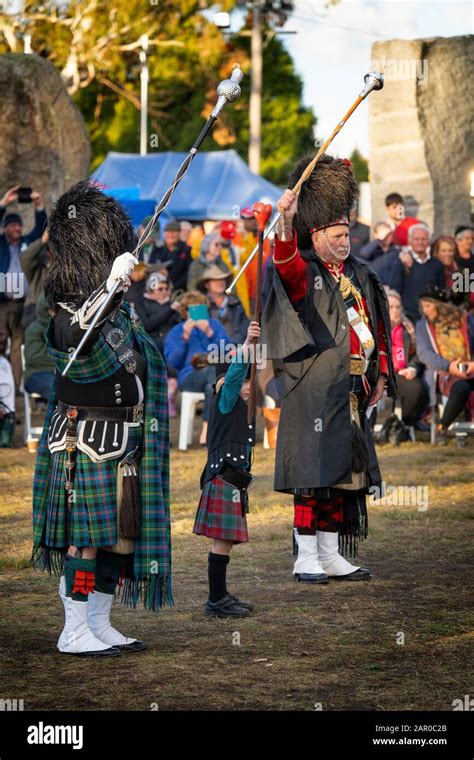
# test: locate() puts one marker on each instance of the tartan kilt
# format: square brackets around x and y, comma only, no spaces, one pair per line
[93,517]
[219,514]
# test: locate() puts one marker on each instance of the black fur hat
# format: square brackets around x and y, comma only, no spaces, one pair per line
[87,230]
[325,198]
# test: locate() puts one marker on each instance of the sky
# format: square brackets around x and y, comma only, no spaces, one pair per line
[332,52]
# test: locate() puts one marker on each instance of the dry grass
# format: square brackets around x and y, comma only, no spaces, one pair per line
[335,645]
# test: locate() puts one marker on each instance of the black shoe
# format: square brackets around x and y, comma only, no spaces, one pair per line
[362,574]
[110,652]
[246,605]
[311,577]
[225,608]
[135,646]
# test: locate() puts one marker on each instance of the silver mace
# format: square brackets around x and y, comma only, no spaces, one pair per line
[228,91]
[373,81]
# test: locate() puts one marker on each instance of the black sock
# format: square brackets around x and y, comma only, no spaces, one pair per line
[217,567]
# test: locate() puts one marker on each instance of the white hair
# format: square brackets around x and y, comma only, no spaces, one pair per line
[416,228]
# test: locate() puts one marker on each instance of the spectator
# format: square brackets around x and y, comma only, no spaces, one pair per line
[465,242]
[174,255]
[407,365]
[395,209]
[359,233]
[226,309]
[7,395]
[188,339]
[210,254]
[465,260]
[39,366]
[185,232]
[444,250]
[158,315]
[399,223]
[13,284]
[445,339]
[149,252]
[416,271]
[35,261]
[381,253]
[136,291]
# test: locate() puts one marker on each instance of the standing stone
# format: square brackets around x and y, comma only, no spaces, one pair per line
[43,140]
[421,129]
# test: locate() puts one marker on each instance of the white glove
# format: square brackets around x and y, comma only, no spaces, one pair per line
[121,270]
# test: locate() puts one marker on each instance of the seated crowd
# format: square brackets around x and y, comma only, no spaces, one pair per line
[185,272]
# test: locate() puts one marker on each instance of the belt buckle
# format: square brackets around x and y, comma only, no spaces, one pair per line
[137,414]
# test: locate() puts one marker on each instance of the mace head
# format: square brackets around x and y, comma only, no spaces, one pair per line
[373,81]
[228,90]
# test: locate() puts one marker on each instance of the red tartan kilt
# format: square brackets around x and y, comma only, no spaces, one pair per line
[219,514]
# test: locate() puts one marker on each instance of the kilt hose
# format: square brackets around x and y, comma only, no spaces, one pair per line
[221,513]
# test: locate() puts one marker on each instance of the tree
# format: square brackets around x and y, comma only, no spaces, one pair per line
[95,44]
[360,166]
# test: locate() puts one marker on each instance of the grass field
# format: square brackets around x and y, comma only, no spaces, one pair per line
[400,641]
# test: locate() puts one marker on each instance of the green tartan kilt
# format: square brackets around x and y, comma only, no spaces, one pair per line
[93,517]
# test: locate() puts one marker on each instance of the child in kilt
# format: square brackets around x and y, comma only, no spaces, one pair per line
[223,506]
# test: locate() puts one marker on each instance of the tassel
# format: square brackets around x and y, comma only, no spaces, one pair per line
[360,453]
[129,521]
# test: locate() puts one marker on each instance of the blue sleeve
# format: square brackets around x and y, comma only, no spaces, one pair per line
[397,277]
[229,393]
[175,348]
[218,333]
[38,229]
[368,250]
[426,353]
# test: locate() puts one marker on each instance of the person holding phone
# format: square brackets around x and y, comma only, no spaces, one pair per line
[445,344]
[14,285]
[197,334]
[223,506]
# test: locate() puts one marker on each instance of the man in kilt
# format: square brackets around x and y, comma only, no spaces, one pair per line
[327,329]
[101,487]
[223,506]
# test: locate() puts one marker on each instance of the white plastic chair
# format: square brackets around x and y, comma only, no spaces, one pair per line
[29,431]
[189,399]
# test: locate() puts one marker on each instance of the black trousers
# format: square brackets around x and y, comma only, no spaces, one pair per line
[457,400]
[412,396]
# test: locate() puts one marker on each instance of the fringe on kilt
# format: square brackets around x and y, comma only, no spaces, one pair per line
[152,592]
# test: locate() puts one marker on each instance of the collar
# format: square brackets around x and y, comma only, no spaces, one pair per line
[417,258]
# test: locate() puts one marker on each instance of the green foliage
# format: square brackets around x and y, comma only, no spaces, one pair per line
[360,166]
[94,43]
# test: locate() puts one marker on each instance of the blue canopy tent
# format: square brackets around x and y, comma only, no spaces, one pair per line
[217,185]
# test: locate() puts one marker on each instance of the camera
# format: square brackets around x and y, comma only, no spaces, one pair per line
[24,194]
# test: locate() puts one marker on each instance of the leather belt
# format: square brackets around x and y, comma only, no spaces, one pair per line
[105,413]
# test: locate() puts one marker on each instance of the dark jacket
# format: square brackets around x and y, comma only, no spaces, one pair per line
[383,263]
[312,371]
[157,319]
[179,260]
[235,321]
[37,358]
[36,232]
[359,235]
[35,261]
[411,284]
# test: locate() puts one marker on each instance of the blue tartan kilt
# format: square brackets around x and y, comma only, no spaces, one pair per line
[93,517]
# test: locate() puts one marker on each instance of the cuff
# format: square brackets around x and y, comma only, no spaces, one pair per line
[284,250]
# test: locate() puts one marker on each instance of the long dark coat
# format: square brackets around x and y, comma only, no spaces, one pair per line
[314,444]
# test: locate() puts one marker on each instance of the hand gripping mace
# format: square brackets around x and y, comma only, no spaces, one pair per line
[228,91]
[373,81]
